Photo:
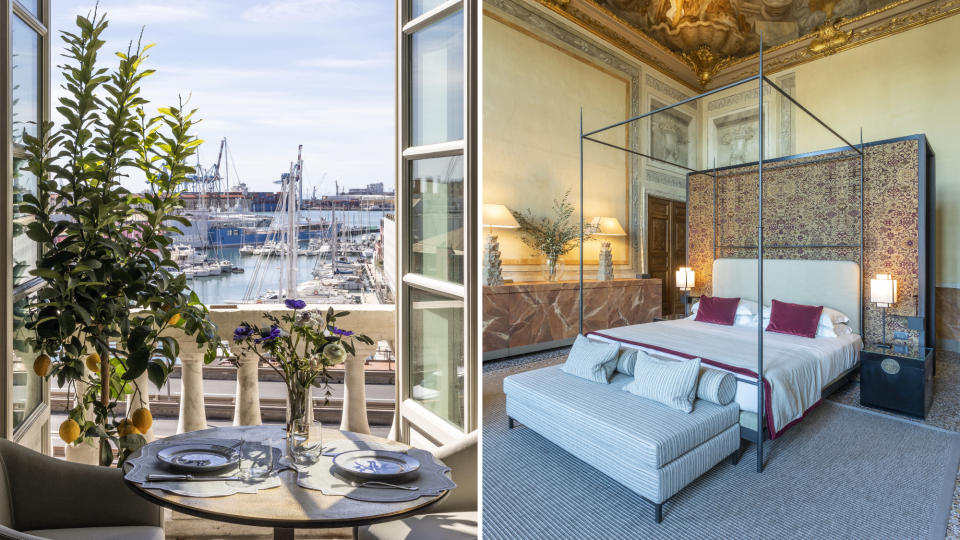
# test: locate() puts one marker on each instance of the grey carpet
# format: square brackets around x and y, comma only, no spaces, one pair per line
[841,473]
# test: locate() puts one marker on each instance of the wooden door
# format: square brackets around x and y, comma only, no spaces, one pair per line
[667,248]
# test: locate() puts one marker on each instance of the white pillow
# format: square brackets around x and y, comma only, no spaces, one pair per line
[745,320]
[836,330]
[745,307]
[828,318]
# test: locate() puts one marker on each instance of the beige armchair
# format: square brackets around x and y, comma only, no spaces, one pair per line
[42,497]
[453,519]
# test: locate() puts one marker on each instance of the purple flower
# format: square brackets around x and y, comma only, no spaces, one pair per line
[269,336]
[295,304]
[343,333]
[242,333]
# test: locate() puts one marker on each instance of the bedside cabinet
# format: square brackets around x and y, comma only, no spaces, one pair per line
[897,380]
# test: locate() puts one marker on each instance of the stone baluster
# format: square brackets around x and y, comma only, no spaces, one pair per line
[354,396]
[246,410]
[193,414]
[140,399]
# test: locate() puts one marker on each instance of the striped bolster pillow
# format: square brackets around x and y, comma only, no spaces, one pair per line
[673,383]
[719,387]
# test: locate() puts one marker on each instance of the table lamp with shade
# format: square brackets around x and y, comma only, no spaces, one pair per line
[606,226]
[686,281]
[883,293]
[494,215]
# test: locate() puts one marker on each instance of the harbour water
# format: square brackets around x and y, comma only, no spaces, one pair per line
[229,288]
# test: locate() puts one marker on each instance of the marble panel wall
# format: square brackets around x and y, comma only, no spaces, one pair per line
[524,314]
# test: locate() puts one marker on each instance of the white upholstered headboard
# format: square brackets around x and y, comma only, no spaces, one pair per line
[832,284]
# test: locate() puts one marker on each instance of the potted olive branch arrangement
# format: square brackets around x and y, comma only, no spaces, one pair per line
[301,353]
[552,238]
[110,299]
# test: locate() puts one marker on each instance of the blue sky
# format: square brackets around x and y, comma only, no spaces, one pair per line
[269,75]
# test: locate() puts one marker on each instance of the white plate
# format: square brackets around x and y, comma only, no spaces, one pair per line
[376,464]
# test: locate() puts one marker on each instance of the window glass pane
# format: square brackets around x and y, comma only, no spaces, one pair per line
[437,82]
[27,386]
[33,6]
[25,251]
[419,7]
[26,80]
[437,218]
[436,354]
[26,108]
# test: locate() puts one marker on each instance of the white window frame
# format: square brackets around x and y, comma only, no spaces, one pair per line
[37,424]
[412,415]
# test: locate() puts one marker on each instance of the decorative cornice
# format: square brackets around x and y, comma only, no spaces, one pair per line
[569,11]
[822,42]
[856,38]
[668,90]
[706,63]
[665,179]
[734,99]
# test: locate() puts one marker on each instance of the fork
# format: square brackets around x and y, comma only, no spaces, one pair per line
[374,483]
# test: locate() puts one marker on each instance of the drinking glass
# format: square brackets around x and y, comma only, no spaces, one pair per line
[256,458]
[305,443]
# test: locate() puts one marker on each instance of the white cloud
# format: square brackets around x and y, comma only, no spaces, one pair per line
[341,62]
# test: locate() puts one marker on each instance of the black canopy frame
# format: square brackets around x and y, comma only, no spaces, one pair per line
[760,79]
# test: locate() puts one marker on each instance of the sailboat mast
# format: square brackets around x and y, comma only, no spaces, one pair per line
[227,173]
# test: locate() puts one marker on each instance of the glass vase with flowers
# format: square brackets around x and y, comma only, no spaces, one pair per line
[300,347]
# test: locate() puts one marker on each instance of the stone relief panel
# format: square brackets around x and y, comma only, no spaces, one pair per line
[672,137]
[735,137]
[668,90]
[787,115]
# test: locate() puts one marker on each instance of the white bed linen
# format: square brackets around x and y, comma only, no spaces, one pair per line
[835,355]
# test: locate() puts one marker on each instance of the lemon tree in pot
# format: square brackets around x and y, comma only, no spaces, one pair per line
[110,301]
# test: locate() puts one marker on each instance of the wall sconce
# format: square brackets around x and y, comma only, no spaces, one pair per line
[606,226]
[495,215]
[883,293]
[686,281]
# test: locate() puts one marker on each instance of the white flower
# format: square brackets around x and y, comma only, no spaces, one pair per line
[314,363]
[335,353]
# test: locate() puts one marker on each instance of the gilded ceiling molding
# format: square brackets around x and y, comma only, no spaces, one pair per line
[586,21]
[855,38]
[705,63]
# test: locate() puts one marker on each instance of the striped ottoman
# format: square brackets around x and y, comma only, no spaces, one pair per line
[648,447]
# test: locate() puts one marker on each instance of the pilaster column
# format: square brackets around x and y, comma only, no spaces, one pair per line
[354,396]
[246,411]
[140,399]
[193,414]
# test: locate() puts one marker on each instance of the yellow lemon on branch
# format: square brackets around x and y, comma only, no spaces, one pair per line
[69,431]
[142,419]
[93,363]
[41,366]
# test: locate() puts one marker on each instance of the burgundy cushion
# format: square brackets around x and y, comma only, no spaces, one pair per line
[794,319]
[718,310]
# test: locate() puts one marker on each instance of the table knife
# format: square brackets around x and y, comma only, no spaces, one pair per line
[187,478]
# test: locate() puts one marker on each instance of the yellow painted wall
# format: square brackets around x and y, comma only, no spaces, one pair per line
[532,95]
[901,85]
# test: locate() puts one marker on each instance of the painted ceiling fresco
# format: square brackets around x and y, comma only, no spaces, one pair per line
[732,28]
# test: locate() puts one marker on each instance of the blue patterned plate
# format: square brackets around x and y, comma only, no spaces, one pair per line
[376,464]
[199,457]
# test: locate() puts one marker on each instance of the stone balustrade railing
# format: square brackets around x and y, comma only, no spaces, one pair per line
[376,321]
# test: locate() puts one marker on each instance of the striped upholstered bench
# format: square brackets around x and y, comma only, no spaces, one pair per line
[648,447]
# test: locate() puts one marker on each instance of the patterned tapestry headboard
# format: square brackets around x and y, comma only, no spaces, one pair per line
[818,203]
[832,284]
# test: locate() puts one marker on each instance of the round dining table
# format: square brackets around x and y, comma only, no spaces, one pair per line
[289,506]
